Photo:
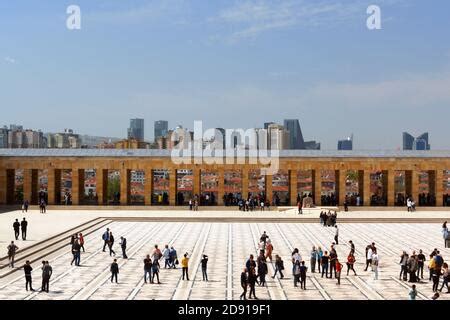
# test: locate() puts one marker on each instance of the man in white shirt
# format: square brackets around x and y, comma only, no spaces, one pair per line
[368,256]
[375,262]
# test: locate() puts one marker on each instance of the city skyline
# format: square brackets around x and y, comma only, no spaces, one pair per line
[227,65]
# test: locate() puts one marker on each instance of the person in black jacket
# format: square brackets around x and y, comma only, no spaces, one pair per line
[244,284]
[114,270]
[27,269]
[252,282]
[204,263]
[123,245]
[16,226]
[23,226]
[110,244]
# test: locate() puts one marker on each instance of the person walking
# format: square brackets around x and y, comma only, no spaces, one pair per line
[81,241]
[319,257]
[303,270]
[244,285]
[313,259]
[16,227]
[420,264]
[155,270]
[156,255]
[123,245]
[445,234]
[148,268]
[173,257]
[431,266]
[262,272]
[204,264]
[333,259]
[250,263]
[336,234]
[25,206]
[351,262]
[445,277]
[352,246]
[23,227]
[369,253]
[269,250]
[47,272]
[110,244]
[252,283]
[279,267]
[28,281]
[114,270]
[436,277]
[184,266]
[12,250]
[324,262]
[166,255]
[413,293]
[375,264]
[105,238]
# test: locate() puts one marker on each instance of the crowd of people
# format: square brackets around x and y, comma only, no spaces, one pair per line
[328,219]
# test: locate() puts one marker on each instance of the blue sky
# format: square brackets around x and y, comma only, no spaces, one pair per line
[232,64]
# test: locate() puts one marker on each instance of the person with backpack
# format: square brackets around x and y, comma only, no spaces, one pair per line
[303,270]
[105,238]
[12,249]
[148,268]
[279,267]
[173,257]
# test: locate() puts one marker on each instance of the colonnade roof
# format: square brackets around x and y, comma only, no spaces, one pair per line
[167,153]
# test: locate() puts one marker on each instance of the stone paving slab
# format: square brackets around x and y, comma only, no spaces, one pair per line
[228,246]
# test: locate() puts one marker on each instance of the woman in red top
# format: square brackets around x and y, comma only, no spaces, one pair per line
[338,271]
[350,262]
[81,241]
[269,250]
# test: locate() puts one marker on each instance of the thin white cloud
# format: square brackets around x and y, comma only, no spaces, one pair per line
[251,18]
[171,11]
[10,60]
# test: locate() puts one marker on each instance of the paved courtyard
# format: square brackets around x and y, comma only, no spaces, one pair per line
[228,245]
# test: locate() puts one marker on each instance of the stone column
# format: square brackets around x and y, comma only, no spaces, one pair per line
[432,184]
[34,187]
[390,187]
[76,186]
[172,186]
[124,187]
[269,187]
[27,184]
[245,173]
[3,186]
[100,183]
[366,195]
[341,176]
[58,186]
[10,184]
[317,174]
[148,186]
[51,186]
[415,186]
[439,185]
[196,180]
[221,189]
[293,187]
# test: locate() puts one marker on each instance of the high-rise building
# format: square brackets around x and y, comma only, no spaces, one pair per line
[296,140]
[4,137]
[136,129]
[267,124]
[278,137]
[346,144]
[418,143]
[161,128]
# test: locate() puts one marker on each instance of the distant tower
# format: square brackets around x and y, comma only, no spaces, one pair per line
[161,128]
[296,140]
[136,129]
